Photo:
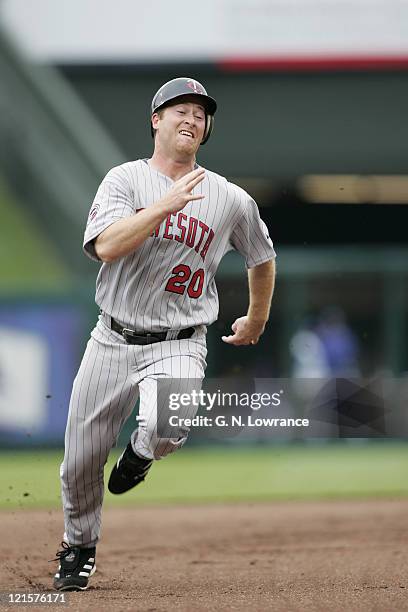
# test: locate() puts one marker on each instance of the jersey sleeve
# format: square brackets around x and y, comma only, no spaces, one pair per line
[114,200]
[250,236]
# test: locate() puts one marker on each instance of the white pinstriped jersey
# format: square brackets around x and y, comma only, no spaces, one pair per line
[169,281]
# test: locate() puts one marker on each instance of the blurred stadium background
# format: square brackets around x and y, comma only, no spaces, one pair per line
[312,122]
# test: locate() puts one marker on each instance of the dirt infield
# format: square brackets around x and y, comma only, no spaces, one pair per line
[272,556]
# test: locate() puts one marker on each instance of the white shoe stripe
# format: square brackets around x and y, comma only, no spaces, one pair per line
[88,567]
[57,575]
[120,459]
[88,574]
[91,560]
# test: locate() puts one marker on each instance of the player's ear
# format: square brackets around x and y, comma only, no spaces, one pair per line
[155,120]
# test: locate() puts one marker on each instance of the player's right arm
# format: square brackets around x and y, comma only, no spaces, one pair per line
[126,235]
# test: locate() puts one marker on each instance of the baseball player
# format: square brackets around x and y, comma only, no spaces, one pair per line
[160,228]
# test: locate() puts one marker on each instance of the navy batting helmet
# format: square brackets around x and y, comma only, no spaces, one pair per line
[184,86]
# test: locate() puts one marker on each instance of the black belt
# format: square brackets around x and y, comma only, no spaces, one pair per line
[133,337]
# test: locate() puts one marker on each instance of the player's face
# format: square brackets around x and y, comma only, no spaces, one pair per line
[180,127]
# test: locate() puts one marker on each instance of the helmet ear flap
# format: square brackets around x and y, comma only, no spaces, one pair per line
[209,125]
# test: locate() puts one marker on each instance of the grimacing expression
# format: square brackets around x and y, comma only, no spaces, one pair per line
[181,125]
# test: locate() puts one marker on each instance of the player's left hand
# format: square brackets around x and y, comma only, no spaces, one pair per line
[246,331]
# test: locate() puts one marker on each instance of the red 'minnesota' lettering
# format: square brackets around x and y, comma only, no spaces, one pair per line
[192,230]
[207,244]
[169,224]
[204,230]
[181,218]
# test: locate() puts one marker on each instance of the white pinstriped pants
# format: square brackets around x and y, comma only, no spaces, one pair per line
[111,377]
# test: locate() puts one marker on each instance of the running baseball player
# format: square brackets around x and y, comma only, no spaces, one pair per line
[160,228]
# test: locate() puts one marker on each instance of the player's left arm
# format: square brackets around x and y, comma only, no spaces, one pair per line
[248,329]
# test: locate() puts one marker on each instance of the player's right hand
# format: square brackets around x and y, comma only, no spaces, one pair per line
[246,331]
[180,192]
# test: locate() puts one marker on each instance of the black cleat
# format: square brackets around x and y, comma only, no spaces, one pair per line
[77,565]
[128,472]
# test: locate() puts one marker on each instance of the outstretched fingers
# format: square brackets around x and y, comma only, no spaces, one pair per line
[196,179]
[181,191]
[198,196]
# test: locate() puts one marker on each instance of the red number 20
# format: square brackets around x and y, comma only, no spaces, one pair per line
[182,273]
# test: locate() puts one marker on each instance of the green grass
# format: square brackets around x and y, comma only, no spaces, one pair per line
[214,475]
[28,256]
